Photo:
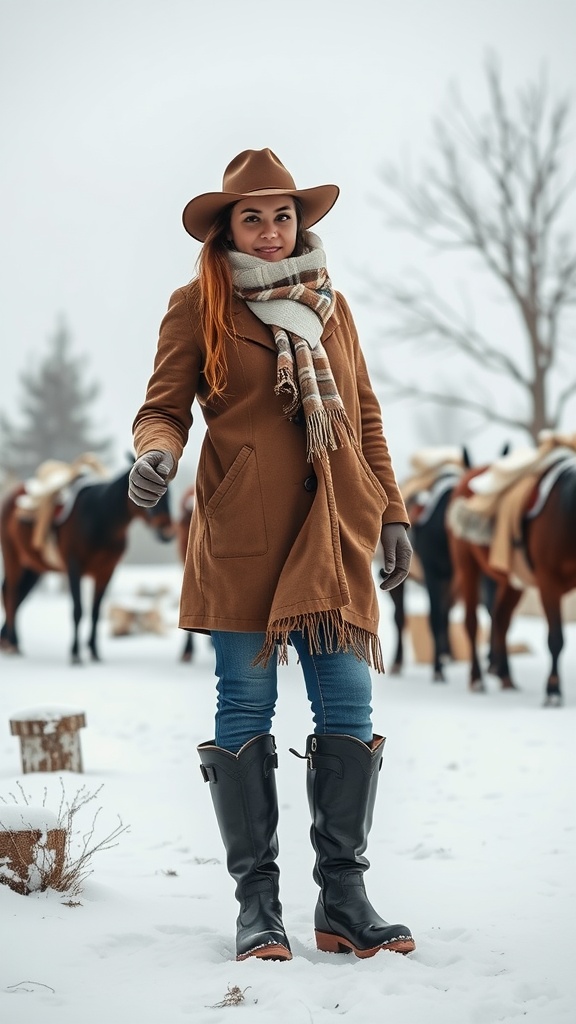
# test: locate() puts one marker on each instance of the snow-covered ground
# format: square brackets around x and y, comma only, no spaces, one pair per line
[473,846]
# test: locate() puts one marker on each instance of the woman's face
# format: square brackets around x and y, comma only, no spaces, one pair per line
[265,226]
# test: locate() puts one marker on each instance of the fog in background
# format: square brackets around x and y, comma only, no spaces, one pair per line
[113,114]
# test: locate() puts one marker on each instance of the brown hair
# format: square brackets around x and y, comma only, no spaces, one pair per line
[216,292]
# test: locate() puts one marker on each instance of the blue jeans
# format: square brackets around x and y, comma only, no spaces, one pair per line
[339,688]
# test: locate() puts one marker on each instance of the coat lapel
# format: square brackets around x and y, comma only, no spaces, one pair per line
[248,326]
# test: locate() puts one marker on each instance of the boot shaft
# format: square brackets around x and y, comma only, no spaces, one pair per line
[342,783]
[243,791]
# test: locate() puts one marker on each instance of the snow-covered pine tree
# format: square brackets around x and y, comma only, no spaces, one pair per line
[54,418]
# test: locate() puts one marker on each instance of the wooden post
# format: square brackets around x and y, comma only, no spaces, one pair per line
[49,738]
[32,848]
[423,644]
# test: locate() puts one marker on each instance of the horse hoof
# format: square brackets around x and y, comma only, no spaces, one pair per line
[507,684]
[9,649]
[553,700]
[396,669]
[186,658]
[477,686]
[438,677]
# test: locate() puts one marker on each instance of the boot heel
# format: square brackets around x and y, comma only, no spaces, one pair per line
[328,943]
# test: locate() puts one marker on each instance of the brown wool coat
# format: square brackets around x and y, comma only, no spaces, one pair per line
[263,551]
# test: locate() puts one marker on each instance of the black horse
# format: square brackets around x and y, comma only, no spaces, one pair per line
[90,542]
[430,542]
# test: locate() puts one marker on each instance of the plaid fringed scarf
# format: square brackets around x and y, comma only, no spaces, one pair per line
[295,298]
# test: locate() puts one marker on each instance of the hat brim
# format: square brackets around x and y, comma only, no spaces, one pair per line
[200,213]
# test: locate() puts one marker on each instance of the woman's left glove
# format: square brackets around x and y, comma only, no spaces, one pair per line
[397,555]
[148,479]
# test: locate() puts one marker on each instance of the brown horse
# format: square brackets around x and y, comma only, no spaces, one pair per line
[90,542]
[549,544]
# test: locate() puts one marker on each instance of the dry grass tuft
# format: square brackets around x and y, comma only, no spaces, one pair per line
[233,997]
[68,874]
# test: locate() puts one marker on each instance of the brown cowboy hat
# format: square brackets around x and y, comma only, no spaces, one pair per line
[256,172]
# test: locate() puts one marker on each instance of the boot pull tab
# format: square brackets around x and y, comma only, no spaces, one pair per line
[316,760]
[304,757]
[208,772]
[270,763]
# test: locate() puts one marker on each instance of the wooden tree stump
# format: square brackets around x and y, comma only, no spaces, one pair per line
[49,739]
[32,848]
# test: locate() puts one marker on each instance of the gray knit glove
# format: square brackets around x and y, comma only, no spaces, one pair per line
[397,555]
[148,479]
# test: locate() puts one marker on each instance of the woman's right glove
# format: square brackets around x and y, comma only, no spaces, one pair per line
[148,479]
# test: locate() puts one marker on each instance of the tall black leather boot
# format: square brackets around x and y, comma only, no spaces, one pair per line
[243,789]
[342,779]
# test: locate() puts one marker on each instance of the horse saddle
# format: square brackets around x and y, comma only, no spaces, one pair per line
[502,531]
[424,503]
[47,499]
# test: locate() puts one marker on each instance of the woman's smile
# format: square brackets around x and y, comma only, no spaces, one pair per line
[267,251]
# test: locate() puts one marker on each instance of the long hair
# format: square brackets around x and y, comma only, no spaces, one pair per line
[215,278]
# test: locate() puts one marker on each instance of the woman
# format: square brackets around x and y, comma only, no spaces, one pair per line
[294,490]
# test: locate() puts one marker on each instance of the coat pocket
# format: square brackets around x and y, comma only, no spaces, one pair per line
[372,506]
[235,512]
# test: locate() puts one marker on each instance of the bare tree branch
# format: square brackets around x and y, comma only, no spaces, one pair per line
[565,396]
[397,390]
[426,315]
[496,188]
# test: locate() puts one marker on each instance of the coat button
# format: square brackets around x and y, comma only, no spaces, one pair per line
[311,483]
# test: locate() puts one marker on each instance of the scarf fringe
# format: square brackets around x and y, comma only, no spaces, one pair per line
[327,430]
[328,626]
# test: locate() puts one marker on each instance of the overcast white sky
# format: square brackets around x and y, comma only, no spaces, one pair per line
[114,113]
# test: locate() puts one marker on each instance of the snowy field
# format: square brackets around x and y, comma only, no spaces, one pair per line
[473,846]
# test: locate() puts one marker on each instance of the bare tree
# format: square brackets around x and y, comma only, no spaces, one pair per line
[54,412]
[496,189]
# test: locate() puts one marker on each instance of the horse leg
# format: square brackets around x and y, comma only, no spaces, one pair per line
[469,586]
[92,642]
[8,635]
[505,601]
[439,600]
[75,582]
[100,586]
[397,596]
[12,596]
[188,650]
[552,608]
[488,588]
[446,602]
